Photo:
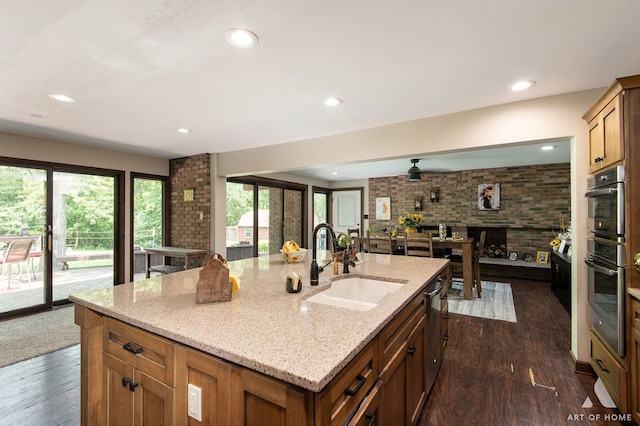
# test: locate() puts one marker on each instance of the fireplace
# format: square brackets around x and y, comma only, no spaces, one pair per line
[495,243]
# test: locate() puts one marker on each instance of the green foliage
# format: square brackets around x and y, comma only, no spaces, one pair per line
[22,200]
[147,215]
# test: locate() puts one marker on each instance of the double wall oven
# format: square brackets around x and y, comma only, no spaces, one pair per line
[606,256]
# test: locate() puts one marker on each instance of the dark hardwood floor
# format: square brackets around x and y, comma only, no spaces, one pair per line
[502,373]
[42,391]
[493,373]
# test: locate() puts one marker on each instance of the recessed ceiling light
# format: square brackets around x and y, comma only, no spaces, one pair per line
[333,102]
[62,98]
[184,130]
[240,37]
[522,85]
[334,173]
[548,147]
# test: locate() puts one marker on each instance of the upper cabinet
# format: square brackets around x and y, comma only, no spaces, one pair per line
[607,120]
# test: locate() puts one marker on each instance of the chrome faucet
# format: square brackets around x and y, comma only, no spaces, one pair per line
[315,269]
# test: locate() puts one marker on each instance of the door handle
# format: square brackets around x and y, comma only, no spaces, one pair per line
[412,350]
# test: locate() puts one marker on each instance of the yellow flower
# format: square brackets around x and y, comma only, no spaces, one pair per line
[410,220]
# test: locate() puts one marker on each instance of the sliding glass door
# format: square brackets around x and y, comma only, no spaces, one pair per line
[83,233]
[58,228]
[23,232]
[262,214]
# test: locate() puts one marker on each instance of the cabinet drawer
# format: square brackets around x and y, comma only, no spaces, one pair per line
[140,349]
[341,397]
[396,333]
[612,373]
[635,313]
[367,413]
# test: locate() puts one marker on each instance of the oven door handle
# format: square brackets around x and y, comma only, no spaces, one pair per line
[591,264]
[601,191]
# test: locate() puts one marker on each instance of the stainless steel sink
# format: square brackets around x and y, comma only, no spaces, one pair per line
[362,294]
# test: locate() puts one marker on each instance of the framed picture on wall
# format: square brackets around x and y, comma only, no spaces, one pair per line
[489,196]
[383,208]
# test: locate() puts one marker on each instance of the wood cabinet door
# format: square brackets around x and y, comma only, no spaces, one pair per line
[416,365]
[393,402]
[606,145]
[259,400]
[118,399]
[211,375]
[635,374]
[153,401]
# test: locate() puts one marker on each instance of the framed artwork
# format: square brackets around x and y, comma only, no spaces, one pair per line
[489,196]
[542,257]
[383,208]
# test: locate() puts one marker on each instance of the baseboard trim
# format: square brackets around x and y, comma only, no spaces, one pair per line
[580,367]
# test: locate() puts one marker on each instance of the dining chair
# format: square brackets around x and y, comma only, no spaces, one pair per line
[379,242]
[36,252]
[354,232]
[17,254]
[418,244]
[456,260]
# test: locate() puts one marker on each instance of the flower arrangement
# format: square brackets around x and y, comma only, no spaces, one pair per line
[410,220]
[636,260]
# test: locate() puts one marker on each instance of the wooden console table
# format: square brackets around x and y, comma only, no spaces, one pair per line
[184,253]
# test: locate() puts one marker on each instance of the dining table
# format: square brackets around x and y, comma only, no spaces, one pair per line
[464,244]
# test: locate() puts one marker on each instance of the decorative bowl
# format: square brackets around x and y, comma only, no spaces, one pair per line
[294,256]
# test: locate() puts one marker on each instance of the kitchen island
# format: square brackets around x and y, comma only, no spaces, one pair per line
[262,333]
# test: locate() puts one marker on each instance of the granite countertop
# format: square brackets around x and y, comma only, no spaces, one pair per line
[263,327]
[634,292]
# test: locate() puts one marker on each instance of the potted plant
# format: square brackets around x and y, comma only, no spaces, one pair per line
[345,243]
[410,221]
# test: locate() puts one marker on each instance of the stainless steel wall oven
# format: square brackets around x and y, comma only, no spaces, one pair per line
[606,256]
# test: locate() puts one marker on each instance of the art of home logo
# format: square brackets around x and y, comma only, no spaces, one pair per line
[598,416]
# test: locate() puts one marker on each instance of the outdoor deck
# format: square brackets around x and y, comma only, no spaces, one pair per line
[74,280]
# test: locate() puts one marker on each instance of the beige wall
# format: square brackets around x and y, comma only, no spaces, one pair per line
[516,123]
[38,149]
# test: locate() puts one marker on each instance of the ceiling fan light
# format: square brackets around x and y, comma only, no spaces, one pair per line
[413,175]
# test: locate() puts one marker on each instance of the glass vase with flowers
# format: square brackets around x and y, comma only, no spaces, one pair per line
[410,222]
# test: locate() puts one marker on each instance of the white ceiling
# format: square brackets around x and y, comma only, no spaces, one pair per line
[141,69]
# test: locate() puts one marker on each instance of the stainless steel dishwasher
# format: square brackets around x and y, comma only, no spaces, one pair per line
[433,290]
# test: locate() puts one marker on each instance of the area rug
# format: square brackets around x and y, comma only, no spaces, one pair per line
[34,335]
[496,301]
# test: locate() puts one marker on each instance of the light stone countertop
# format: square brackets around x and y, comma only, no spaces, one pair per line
[263,327]
[634,292]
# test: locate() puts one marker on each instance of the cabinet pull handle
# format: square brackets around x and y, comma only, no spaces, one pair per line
[412,350]
[598,159]
[356,388]
[133,386]
[125,381]
[371,417]
[602,367]
[129,347]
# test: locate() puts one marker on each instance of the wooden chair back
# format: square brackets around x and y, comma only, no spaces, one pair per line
[379,242]
[418,244]
[355,232]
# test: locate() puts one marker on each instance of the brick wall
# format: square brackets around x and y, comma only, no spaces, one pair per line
[533,198]
[187,229]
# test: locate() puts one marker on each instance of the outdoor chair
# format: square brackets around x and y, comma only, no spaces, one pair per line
[17,254]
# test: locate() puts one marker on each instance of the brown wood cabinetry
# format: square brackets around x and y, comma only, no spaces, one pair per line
[614,139]
[138,370]
[605,135]
[132,377]
[634,356]
[403,355]
[612,373]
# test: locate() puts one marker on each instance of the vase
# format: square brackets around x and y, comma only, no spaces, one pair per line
[410,230]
